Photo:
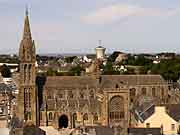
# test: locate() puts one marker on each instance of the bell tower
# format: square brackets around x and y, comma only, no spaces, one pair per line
[27,98]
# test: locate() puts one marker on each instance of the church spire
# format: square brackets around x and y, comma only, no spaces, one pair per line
[27,31]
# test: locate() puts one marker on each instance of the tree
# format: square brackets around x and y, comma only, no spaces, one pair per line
[77,70]
[70,59]
[113,56]
[5,71]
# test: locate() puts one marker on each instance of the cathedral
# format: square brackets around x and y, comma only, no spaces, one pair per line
[88,100]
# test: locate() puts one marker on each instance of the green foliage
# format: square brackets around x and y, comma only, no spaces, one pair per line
[139,60]
[5,71]
[108,69]
[169,69]
[129,71]
[51,72]
[8,59]
[70,59]
[76,70]
[113,56]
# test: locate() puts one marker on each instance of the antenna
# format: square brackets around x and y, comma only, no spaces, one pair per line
[100,42]
[26,10]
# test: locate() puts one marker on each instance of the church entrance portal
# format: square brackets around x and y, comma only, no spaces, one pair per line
[63,121]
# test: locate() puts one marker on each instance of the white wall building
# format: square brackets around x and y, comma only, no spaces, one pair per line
[161,119]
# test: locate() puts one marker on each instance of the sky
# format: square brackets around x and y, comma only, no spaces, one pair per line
[76,26]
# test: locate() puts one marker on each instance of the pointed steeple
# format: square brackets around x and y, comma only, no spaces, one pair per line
[27,31]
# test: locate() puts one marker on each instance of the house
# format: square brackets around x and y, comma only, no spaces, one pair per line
[165,117]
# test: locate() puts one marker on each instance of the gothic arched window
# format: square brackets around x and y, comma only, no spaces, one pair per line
[95,117]
[24,72]
[143,91]
[29,73]
[50,116]
[50,96]
[74,116]
[30,115]
[60,95]
[70,94]
[162,92]
[132,92]
[116,108]
[40,116]
[81,95]
[23,55]
[91,94]
[85,116]
[153,92]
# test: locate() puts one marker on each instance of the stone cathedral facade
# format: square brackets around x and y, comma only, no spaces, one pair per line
[98,101]
[27,98]
[89,100]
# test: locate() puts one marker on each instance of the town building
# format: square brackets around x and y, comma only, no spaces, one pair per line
[88,100]
[166,117]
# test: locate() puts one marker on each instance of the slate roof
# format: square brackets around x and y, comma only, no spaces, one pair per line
[71,81]
[111,80]
[144,131]
[142,113]
[174,111]
[106,81]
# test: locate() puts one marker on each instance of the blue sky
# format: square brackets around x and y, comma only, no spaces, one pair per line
[75,26]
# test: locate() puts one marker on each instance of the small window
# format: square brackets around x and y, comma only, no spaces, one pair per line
[173,127]
[147,125]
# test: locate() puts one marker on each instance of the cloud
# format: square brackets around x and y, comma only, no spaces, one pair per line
[119,11]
